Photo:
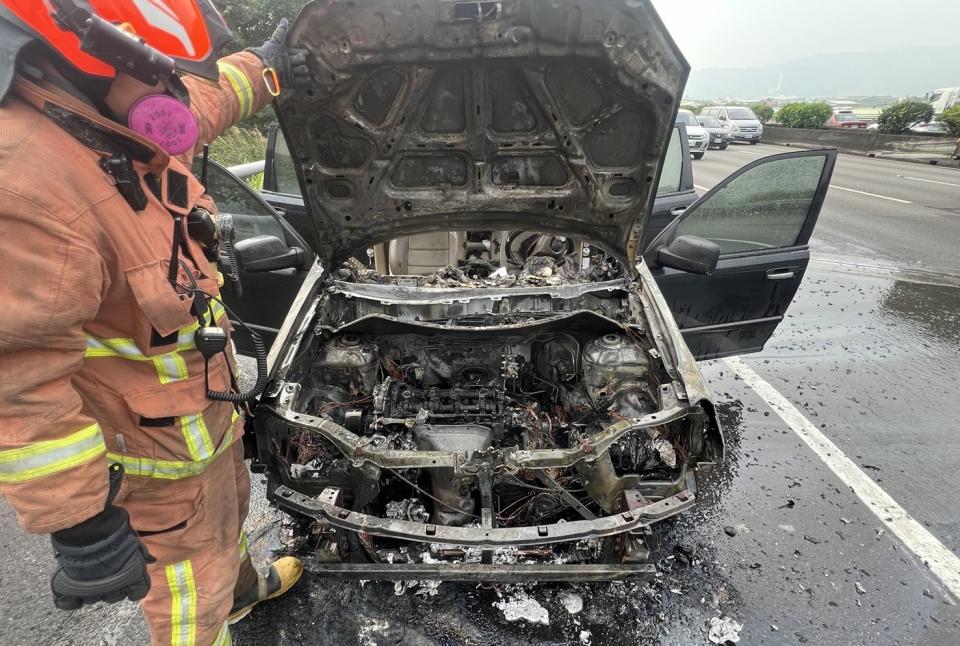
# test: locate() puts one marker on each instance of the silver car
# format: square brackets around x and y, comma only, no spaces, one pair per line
[743,123]
[720,135]
[697,136]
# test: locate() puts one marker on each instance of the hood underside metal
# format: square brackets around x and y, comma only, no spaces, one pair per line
[444,115]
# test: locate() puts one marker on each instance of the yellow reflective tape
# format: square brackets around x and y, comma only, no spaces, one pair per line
[241,87]
[170,367]
[192,607]
[169,469]
[244,546]
[176,605]
[197,437]
[223,638]
[183,604]
[45,458]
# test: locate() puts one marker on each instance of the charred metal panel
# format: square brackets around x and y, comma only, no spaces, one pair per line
[529,170]
[377,95]
[570,96]
[426,171]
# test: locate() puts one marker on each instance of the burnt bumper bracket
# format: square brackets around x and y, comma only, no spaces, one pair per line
[487,537]
[519,573]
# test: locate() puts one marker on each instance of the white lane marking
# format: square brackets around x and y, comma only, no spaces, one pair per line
[701,188]
[943,563]
[747,152]
[882,197]
[929,181]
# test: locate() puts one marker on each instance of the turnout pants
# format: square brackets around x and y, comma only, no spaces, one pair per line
[193,527]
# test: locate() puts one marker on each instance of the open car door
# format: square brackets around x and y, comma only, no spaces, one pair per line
[761,217]
[272,259]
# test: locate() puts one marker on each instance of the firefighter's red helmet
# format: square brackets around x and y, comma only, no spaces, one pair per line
[190,32]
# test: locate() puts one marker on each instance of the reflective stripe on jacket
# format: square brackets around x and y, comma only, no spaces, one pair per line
[97,360]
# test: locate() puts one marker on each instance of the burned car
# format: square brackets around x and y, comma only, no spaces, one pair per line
[476,370]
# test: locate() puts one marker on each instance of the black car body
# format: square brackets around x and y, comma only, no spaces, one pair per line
[485,372]
[720,135]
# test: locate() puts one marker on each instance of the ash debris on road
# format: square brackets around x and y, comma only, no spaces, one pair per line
[783,587]
[643,612]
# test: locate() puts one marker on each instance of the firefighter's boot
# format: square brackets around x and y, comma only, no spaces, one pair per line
[283,574]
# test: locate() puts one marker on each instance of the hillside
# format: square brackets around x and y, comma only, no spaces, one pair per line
[898,72]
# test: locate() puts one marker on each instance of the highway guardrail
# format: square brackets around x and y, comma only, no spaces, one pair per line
[940,151]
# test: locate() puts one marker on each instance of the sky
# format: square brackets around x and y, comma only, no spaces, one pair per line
[753,33]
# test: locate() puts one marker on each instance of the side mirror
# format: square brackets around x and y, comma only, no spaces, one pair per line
[267,253]
[692,254]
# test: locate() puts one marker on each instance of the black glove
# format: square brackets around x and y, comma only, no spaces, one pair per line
[101,559]
[290,63]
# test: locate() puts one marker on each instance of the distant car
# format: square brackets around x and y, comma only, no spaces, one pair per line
[697,135]
[743,123]
[930,128]
[845,119]
[720,135]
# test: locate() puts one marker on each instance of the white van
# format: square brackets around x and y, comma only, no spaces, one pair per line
[744,125]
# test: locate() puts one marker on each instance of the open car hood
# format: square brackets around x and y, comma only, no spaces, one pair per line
[546,115]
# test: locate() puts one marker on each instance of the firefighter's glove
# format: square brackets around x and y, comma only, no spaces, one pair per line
[101,559]
[290,63]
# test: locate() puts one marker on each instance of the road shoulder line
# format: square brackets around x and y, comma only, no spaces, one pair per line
[928,181]
[943,563]
[882,197]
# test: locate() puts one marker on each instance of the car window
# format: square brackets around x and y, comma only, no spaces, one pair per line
[284,168]
[251,215]
[764,208]
[708,122]
[670,176]
[688,118]
[741,114]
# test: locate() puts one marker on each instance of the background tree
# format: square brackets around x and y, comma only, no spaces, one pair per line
[898,118]
[692,108]
[804,115]
[252,22]
[951,117]
[763,111]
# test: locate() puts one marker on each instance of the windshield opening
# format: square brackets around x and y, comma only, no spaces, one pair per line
[741,114]
[687,118]
[513,258]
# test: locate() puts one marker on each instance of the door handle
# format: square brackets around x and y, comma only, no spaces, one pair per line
[677,210]
[781,274]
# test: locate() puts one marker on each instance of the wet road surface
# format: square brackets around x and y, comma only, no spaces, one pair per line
[869,358]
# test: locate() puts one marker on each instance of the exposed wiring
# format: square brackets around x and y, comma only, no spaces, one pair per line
[430,496]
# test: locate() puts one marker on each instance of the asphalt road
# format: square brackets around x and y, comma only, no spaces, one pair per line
[868,354]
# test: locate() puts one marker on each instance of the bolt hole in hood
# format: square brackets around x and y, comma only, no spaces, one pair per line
[427,115]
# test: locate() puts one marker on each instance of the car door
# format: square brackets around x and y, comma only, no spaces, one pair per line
[761,217]
[263,297]
[675,191]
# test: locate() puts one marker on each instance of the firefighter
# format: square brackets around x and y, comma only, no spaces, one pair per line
[110,438]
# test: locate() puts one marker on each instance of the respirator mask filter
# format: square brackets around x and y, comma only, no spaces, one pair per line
[166,121]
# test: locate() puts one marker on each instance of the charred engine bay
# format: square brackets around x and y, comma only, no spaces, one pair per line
[488,374]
